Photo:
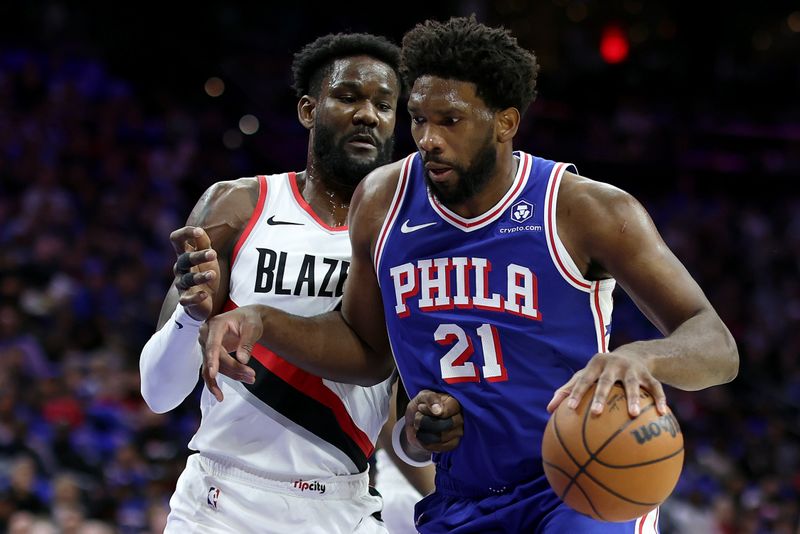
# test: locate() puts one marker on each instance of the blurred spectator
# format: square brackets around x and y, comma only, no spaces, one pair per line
[24,490]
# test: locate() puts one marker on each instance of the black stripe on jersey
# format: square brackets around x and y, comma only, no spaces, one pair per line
[303,410]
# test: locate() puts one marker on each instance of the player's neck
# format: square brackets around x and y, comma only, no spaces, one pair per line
[330,203]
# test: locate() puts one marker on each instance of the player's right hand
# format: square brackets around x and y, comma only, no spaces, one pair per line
[434,421]
[196,271]
[234,332]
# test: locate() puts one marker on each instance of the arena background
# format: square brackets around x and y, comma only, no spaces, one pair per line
[109,134]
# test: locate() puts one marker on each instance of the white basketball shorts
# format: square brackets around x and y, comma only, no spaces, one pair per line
[214,497]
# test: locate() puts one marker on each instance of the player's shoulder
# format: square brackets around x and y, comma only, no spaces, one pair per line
[226,189]
[378,187]
[383,179]
[372,199]
[585,195]
[592,213]
[228,194]
[226,201]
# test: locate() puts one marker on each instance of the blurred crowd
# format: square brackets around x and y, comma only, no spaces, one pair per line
[92,181]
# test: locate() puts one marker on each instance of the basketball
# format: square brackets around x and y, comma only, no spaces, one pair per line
[612,467]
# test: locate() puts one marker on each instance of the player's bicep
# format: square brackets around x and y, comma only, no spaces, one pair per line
[630,248]
[362,305]
[224,210]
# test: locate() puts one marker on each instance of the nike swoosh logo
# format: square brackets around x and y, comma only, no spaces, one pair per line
[271,221]
[179,325]
[407,228]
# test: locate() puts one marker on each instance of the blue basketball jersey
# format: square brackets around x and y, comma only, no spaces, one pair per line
[491,310]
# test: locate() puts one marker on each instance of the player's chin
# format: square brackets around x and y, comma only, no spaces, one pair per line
[446,192]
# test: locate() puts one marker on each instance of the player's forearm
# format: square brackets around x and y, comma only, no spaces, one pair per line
[700,353]
[323,345]
[170,362]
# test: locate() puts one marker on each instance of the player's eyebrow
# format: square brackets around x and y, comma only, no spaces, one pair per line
[358,86]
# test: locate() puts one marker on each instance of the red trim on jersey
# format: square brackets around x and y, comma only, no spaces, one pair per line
[551,214]
[313,387]
[641,522]
[492,214]
[600,320]
[393,209]
[262,198]
[498,352]
[307,207]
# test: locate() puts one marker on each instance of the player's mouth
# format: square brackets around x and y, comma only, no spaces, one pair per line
[438,172]
[363,142]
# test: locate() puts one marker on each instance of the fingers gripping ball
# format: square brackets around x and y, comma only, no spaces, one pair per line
[612,467]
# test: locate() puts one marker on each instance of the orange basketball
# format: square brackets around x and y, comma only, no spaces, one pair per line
[612,467]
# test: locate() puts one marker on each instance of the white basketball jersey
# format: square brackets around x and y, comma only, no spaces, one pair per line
[290,424]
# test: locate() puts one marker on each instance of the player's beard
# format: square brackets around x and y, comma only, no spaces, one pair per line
[472,180]
[343,167]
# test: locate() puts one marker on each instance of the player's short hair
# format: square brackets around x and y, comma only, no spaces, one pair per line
[314,61]
[463,49]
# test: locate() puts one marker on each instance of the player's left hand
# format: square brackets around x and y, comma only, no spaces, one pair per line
[434,421]
[622,365]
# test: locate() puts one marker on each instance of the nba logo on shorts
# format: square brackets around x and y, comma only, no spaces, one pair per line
[213,497]
[521,211]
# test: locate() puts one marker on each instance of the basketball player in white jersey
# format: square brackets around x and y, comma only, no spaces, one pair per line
[286,451]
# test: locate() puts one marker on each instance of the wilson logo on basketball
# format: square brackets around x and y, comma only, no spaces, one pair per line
[666,424]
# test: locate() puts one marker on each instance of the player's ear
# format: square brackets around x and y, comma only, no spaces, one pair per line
[306,108]
[506,124]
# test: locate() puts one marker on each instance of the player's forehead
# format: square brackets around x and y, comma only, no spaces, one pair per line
[361,71]
[432,92]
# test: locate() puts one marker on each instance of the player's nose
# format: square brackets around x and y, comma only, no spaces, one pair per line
[367,115]
[429,140]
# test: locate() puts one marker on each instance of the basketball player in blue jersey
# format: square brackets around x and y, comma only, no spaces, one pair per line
[286,450]
[494,270]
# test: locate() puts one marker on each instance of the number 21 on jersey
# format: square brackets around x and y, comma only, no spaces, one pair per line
[456,364]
